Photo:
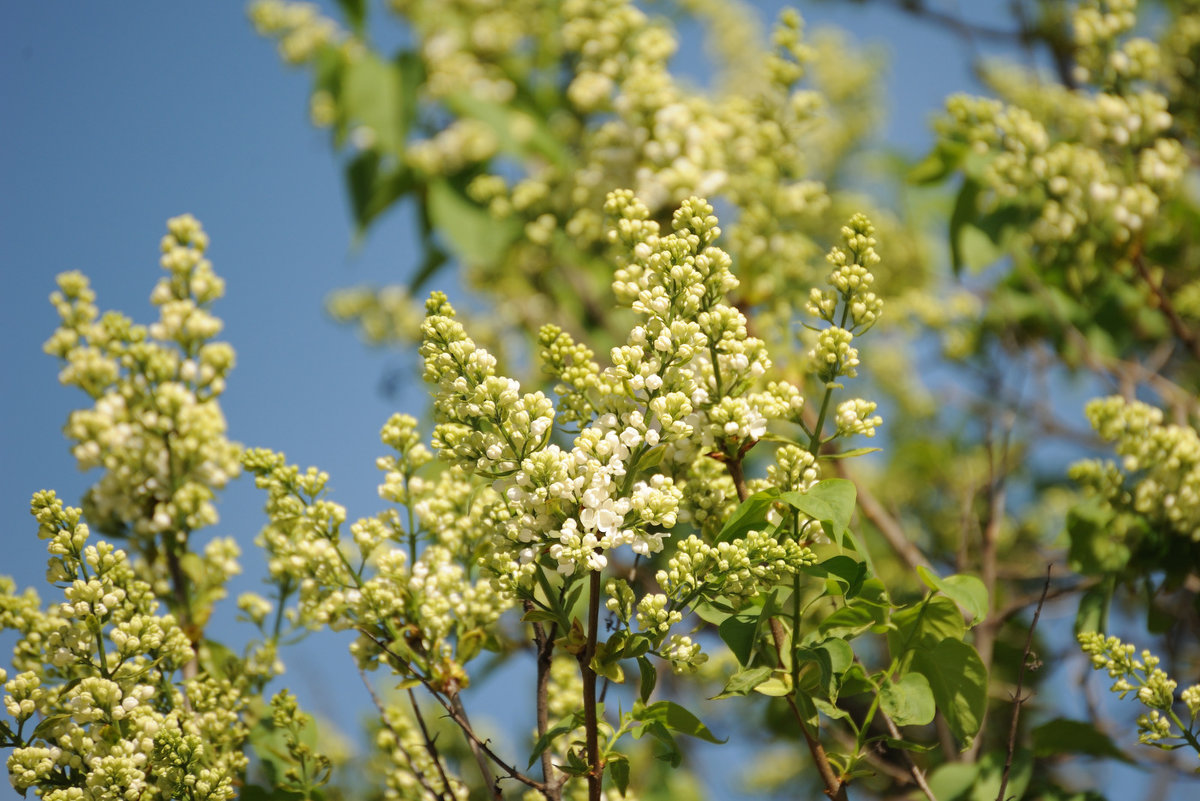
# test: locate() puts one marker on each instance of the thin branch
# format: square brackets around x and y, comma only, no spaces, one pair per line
[835,788]
[1018,700]
[590,720]
[1014,608]
[985,639]
[544,644]
[957,25]
[875,759]
[1185,334]
[462,722]
[917,774]
[429,744]
[477,750]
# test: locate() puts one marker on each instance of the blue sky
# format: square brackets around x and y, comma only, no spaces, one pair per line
[117,116]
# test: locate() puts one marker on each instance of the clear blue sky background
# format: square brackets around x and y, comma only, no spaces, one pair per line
[116,116]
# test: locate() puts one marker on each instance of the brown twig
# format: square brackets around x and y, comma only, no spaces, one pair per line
[1014,608]
[835,788]
[985,638]
[544,644]
[429,744]
[1183,333]
[918,775]
[463,723]
[477,749]
[590,720]
[1017,699]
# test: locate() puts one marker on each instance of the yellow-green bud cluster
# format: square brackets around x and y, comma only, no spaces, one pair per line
[1155,690]
[1158,472]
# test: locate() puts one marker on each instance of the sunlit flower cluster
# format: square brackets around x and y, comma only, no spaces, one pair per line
[156,427]
[1140,674]
[1084,170]
[782,114]
[1158,472]
[687,368]
[103,675]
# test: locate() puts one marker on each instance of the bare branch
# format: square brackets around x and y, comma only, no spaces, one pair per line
[917,774]
[429,744]
[1018,700]
[462,722]
[1183,332]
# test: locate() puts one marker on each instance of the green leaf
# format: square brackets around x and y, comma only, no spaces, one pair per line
[618,768]
[372,96]
[909,701]
[715,610]
[952,780]
[1062,736]
[48,726]
[833,656]
[958,679]
[553,733]
[965,210]
[675,718]
[779,685]
[1095,548]
[744,681]
[828,709]
[371,191]
[991,774]
[672,756]
[846,574]
[520,130]
[605,663]
[649,677]
[850,621]
[941,161]
[474,235]
[740,632]
[355,12]
[537,615]
[636,645]
[751,514]
[831,501]
[925,625]
[849,454]
[966,591]
[1093,607]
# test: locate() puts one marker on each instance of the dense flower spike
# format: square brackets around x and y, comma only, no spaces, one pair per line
[686,369]
[1158,475]
[103,673]
[1155,690]
[156,427]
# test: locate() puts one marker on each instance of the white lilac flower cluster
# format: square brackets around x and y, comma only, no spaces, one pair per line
[123,698]
[679,384]
[1155,690]
[301,29]
[156,427]
[1158,472]
[101,673]
[1088,169]
[408,583]
[786,113]
[848,305]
